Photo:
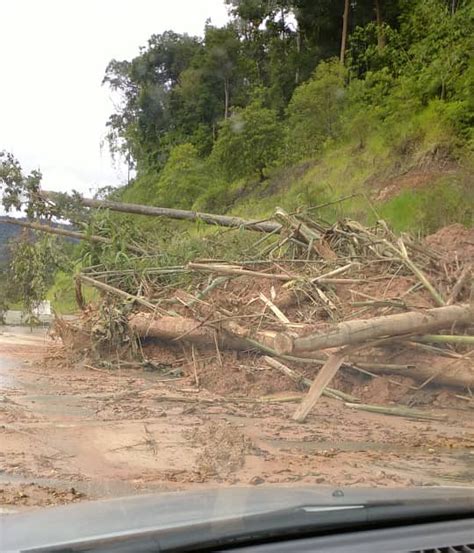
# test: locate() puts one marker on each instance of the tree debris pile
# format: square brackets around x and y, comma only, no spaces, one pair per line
[311,295]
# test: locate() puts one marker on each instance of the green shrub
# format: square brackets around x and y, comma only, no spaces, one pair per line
[314,110]
[142,190]
[184,177]
[248,142]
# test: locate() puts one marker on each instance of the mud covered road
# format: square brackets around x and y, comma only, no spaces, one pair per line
[70,434]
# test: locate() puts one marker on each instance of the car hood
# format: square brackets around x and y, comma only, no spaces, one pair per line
[126,516]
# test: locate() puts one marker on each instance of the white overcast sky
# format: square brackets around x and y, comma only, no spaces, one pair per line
[53,54]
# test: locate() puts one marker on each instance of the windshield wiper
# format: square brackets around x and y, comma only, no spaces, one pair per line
[280,524]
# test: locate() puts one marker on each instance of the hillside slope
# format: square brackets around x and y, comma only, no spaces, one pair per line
[413,193]
[390,123]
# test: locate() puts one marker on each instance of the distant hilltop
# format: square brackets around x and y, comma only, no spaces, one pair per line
[7,232]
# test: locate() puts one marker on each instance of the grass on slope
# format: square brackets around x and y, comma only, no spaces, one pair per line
[445,196]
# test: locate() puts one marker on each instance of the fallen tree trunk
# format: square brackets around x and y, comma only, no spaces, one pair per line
[177,329]
[66,233]
[359,331]
[235,337]
[454,375]
[181,214]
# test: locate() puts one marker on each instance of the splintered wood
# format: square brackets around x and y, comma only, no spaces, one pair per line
[357,292]
[325,375]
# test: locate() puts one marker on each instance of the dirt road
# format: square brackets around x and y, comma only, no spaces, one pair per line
[69,434]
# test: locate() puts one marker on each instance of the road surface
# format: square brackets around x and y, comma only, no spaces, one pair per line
[75,432]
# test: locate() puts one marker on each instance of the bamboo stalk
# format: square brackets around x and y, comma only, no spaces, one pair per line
[424,280]
[462,280]
[311,360]
[349,362]
[234,270]
[433,349]
[180,214]
[239,271]
[395,411]
[325,375]
[206,401]
[373,375]
[445,339]
[308,235]
[117,292]
[455,376]
[67,233]
[278,313]
[340,270]
[362,330]
[216,282]
[380,303]
[402,252]
[326,204]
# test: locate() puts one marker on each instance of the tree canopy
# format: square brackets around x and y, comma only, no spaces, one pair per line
[270,77]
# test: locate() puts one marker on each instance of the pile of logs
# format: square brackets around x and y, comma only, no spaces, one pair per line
[324,270]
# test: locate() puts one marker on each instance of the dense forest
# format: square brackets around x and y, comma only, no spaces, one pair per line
[204,122]
[292,103]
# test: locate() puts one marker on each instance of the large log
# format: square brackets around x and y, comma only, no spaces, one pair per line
[66,233]
[181,214]
[177,329]
[364,330]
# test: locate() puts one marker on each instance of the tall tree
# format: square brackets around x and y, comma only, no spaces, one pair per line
[345,24]
[378,18]
[222,61]
[144,85]
[248,142]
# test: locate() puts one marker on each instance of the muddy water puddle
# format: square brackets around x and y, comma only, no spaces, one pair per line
[18,334]
[7,380]
[63,407]
[31,394]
